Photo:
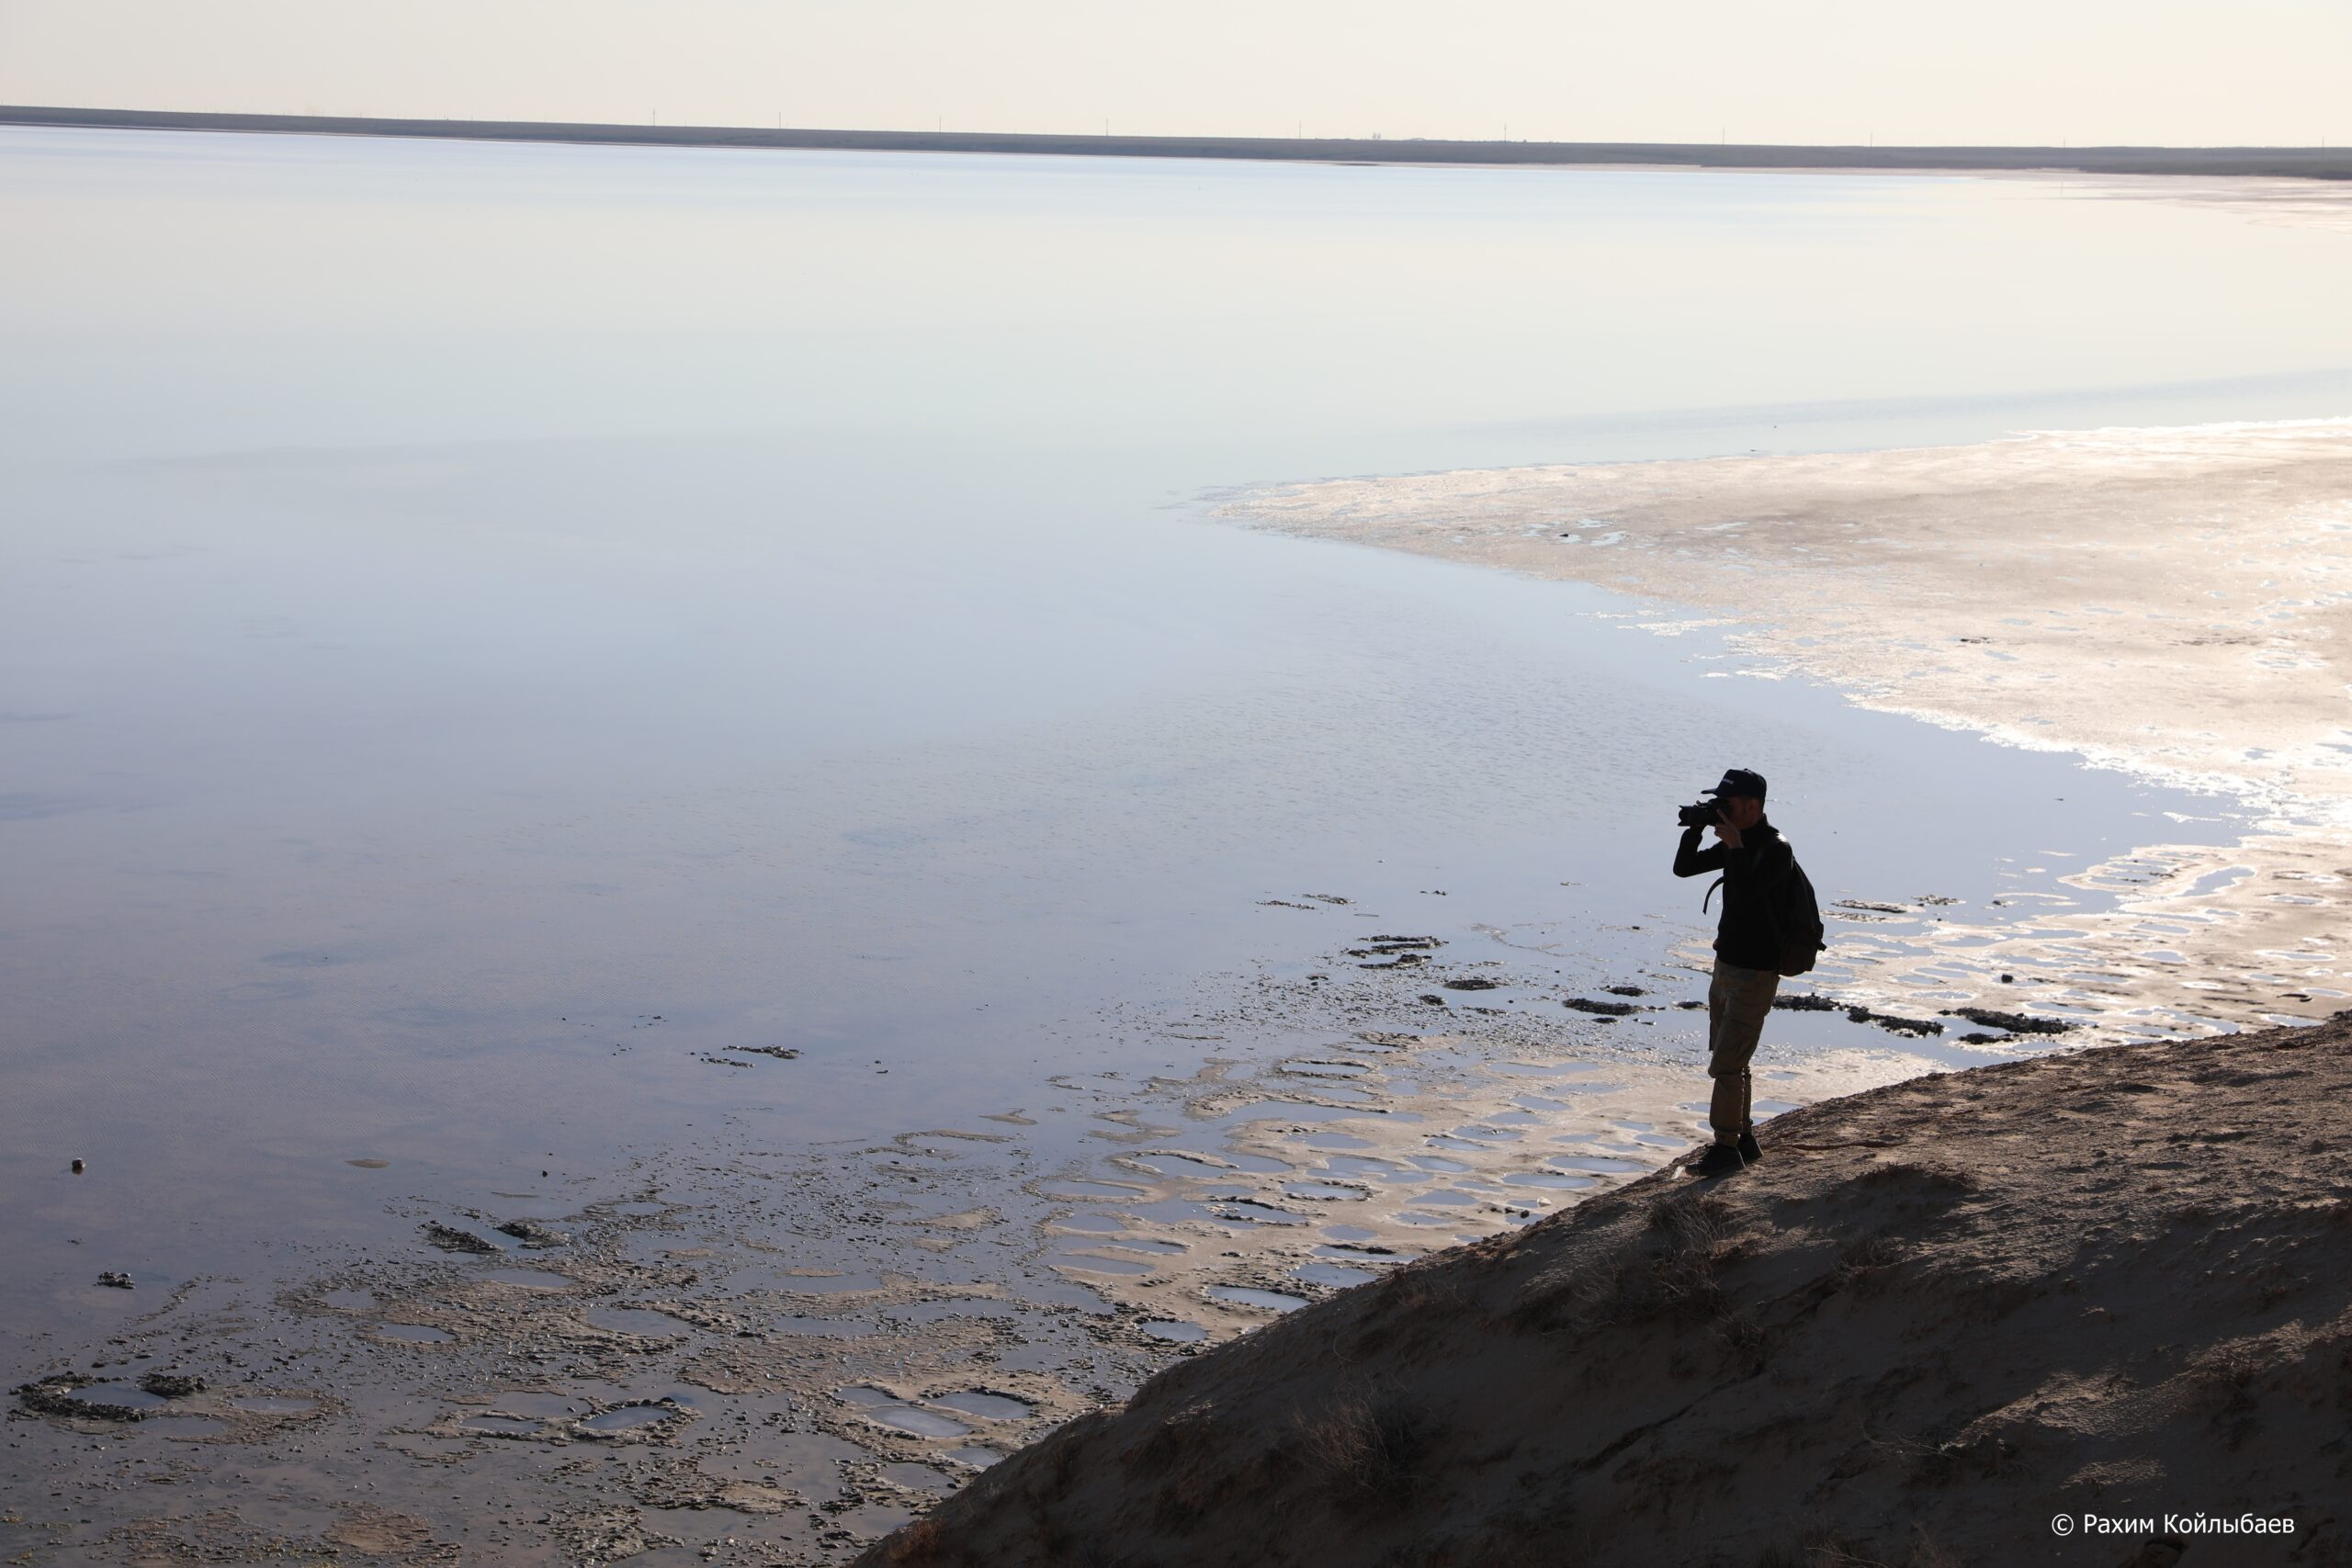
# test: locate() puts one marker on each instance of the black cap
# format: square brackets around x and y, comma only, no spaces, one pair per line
[1739,781]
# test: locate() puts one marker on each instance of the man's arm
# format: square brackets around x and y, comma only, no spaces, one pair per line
[1689,860]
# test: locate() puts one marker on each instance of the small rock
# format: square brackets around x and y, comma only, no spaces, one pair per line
[115,1282]
[1603,1010]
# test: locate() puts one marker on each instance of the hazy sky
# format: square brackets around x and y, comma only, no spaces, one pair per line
[2176,72]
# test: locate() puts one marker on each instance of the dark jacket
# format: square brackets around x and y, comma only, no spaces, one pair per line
[1743,933]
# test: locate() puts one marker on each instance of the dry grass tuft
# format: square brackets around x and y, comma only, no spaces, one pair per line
[1371,1452]
[1864,1266]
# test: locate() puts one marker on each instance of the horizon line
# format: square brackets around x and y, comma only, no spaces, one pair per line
[2303,163]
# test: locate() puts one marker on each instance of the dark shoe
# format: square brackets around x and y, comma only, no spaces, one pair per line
[1720,1159]
[1749,1149]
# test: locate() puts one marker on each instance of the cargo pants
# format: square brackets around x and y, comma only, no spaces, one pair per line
[1738,1001]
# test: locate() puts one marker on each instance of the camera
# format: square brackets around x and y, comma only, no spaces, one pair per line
[1703,815]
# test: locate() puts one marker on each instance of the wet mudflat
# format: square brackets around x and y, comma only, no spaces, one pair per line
[728,1350]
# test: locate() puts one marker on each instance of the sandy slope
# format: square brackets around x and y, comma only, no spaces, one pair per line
[2114,1282]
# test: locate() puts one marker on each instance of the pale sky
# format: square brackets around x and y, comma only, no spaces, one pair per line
[2164,71]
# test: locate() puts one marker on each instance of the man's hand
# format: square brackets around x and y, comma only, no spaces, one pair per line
[1727,832]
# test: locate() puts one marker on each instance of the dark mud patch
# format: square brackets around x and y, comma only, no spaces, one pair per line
[79,1399]
[449,1238]
[2015,1022]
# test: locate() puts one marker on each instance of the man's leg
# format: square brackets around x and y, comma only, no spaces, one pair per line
[1738,1000]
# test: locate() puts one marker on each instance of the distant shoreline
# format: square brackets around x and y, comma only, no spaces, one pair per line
[2302,162]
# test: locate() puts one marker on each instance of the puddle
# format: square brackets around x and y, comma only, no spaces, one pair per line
[1076,1190]
[1441,1164]
[628,1417]
[987,1407]
[917,1477]
[828,1285]
[1553,1179]
[1182,1165]
[959,1306]
[349,1301]
[1084,1263]
[1326,1069]
[1325,1191]
[1243,1295]
[865,1398]
[921,1423]
[1091,1222]
[501,1426]
[979,1459]
[1595,1161]
[1334,1275]
[1175,1332]
[273,1404]
[412,1334]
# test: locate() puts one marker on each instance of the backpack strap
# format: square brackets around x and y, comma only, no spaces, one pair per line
[1718,882]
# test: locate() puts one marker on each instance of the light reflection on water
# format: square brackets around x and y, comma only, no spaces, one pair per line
[488,628]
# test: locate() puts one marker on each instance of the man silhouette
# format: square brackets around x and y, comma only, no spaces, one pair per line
[1750,855]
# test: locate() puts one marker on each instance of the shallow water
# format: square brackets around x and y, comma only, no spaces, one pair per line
[498,637]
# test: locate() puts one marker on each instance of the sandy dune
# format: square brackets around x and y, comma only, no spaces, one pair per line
[2109,1283]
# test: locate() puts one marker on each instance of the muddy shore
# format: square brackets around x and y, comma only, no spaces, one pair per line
[2170,602]
[2113,1284]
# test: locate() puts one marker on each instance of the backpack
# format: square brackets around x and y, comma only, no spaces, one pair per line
[1794,915]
